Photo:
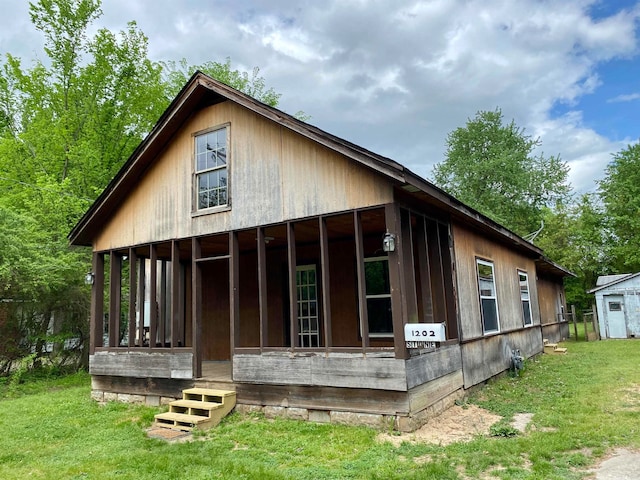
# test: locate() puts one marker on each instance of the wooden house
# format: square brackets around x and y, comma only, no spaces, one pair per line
[618,305]
[239,247]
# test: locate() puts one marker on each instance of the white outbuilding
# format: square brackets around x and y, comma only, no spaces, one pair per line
[618,305]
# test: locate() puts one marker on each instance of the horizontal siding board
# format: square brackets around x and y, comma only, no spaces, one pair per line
[142,364]
[163,387]
[428,394]
[362,372]
[318,370]
[386,402]
[433,365]
[487,357]
[272,369]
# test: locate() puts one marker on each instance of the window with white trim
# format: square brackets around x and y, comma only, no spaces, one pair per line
[488,296]
[378,293]
[307,298]
[211,169]
[523,279]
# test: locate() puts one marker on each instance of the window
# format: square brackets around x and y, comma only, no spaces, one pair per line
[211,169]
[378,290]
[308,325]
[615,307]
[524,298]
[488,298]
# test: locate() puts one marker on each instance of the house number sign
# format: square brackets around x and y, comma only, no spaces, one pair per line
[423,335]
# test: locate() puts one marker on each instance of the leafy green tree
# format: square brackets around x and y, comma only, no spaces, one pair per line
[620,194]
[491,166]
[67,125]
[574,236]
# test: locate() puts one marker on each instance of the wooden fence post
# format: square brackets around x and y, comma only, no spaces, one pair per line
[596,325]
[586,334]
[575,324]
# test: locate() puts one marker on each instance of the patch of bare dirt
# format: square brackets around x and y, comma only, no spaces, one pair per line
[456,424]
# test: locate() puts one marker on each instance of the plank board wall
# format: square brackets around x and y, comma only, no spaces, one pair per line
[489,356]
[468,247]
[163,387]
[274,175]
[335,370]
[177,365]
[433,365]
[386,402]
[549,299]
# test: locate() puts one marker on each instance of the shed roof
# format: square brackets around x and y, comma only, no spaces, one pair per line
[202,91]
[605,281]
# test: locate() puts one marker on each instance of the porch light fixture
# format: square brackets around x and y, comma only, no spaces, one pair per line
[389,242]
[89,278]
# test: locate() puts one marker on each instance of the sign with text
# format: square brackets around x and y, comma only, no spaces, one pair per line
[424,332]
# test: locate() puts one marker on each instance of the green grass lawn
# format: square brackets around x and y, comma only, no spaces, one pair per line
[584,403]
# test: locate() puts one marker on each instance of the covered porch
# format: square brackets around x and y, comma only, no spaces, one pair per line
[319,301]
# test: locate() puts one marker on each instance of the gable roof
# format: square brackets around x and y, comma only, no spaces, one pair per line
[605,281]
[202,91]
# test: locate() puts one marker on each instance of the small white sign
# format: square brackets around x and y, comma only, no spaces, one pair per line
[424,332]
[421,345]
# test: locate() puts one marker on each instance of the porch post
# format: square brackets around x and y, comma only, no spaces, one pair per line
[234,291]
[175,293]
[97,303]
[141,297]
[115,292]
[293,291]
[396,280]
[362,287]
[133,290]
[326,283]
[196,308]
[153,292]
[262,289]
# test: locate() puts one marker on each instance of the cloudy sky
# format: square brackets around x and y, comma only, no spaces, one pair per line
[397,76]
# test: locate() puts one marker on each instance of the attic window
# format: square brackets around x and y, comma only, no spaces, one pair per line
[211,169]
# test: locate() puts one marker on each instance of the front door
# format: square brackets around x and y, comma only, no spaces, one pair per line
[614,311]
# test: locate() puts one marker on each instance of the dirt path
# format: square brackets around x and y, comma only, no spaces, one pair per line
[457,424]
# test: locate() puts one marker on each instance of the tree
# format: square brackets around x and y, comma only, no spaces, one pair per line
[573,236]
[492,167]
[176,75]
[620,194]
[67,125]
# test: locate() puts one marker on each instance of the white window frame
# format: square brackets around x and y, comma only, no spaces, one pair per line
[312,331]
[201,172]
[376,296]
[524,274]
[485,297]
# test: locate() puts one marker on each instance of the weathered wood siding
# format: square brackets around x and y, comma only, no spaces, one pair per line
[270,169]
[336,370]
[177,365]
[468,247]
[482,359]
[550,299]
[430,366]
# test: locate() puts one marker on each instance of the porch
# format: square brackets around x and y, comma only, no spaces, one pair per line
[279,300]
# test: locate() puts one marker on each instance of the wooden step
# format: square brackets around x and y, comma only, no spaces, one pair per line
[181,421]
[196,405]
[199,407]
[207,394]
[559,350]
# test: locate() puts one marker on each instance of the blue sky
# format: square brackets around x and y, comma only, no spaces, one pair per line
[398,80]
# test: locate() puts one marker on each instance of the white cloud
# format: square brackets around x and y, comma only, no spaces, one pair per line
[396,78]
[624,98]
